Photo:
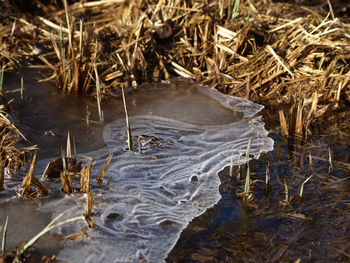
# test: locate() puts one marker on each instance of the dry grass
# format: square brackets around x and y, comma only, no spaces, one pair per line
[12,152]
[274,53]
[9,52]
[291,57]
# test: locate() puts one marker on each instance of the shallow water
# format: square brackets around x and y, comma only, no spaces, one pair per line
[45,114]
[189,133]
[315,229]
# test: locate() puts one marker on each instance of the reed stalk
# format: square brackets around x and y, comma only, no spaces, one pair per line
[2,174]
[302,186]
[99,97]
[22,89]
[102,173]
[1,77]
[128,130]
[4,234]
[247,179]
[231,166]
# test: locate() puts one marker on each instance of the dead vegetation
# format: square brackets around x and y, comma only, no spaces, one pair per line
[12,152]
[69,172]
[291,56]
[66,170]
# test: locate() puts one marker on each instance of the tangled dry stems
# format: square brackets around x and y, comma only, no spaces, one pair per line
[12,151]
[274,53]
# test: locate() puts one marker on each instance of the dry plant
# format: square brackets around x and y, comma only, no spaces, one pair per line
[75,56]
[260,51]
[85,177]
[88,211]
[103,171]
[12,151]
[21,254]
[9,46]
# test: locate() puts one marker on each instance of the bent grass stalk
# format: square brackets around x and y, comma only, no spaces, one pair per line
[302,186]
[47,229]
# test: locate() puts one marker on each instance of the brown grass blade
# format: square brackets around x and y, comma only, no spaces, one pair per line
[103,171]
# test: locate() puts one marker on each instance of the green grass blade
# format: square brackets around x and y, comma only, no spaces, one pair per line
[248,148]
[247,180]
[235,9]
[41,233]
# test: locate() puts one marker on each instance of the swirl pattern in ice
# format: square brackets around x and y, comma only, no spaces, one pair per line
[154,195]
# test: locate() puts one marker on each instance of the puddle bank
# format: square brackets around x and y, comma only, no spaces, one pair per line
[189,133]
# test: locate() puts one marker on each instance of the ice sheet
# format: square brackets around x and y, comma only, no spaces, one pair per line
[154,195]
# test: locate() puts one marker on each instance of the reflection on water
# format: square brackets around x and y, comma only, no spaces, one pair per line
[46,114]
[152,196]
[316,230]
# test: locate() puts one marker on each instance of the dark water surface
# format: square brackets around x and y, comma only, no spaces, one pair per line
[46,114]
[314,229]
[268,229]
[189,133]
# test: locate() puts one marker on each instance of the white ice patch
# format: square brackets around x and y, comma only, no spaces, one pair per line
[153,196]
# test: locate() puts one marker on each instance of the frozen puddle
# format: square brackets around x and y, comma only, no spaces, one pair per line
[153,196]
[188,136]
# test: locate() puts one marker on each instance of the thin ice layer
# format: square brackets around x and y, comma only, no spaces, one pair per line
[154,195]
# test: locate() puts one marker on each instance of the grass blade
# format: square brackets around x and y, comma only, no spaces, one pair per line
[128,131]
[247,179]
[302,186]
[1,77]
[231,166]
[235,9]
[44,231]
[99,98]
[4,233]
